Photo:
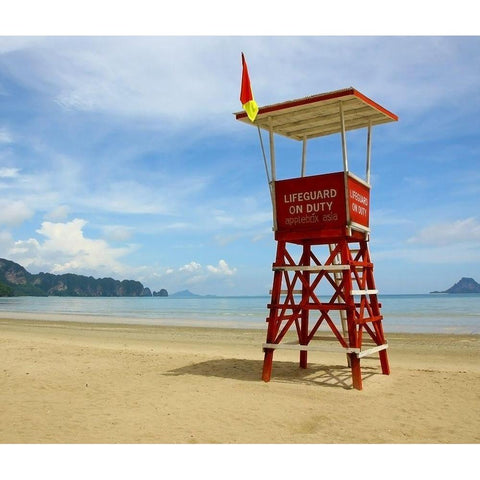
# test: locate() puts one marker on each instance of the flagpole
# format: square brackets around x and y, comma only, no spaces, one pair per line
[264,156]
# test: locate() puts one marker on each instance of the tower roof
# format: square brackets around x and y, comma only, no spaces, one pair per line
[319,115]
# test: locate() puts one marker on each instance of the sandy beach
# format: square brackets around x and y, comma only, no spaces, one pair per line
[73,382]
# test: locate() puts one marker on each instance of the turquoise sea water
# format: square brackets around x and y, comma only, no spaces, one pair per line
[434,313]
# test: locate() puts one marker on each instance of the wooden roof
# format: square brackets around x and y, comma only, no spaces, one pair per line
[319,115]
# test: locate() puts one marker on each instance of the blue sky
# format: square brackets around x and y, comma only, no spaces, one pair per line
[120,156]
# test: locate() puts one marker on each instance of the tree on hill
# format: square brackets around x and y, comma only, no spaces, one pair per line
[5,290]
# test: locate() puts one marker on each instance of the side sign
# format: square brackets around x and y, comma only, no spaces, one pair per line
[358,202]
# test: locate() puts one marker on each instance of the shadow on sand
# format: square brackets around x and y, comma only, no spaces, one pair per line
[288,372]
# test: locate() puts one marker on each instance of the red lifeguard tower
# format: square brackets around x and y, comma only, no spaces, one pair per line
[326,217]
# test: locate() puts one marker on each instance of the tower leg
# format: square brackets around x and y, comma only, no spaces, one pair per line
[370,284]
[272,318]
[303,359]
[356,371]
[353,337]
[384,362]
[383,353]
[303,334]
[267,365]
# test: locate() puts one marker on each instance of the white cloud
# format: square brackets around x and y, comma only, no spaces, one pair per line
[449,233]
[6,172]
[14,213]
[221,269]
[191,267]
[201,278]
[65,249]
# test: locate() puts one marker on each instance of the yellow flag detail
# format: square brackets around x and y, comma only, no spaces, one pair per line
[251,108]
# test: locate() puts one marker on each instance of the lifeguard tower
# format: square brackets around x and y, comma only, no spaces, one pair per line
[325,218]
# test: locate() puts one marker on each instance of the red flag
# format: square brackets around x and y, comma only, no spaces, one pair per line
[246,94]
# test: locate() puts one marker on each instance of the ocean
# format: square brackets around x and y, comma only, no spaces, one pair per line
[432,313]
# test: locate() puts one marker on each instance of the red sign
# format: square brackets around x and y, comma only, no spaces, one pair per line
[358,202]
[310,203]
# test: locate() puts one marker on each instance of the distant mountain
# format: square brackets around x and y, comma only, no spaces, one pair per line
[189,294]
[161,293]
[464,285]
[16,281]
[184,294]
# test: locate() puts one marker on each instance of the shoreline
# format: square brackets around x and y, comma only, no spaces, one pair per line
[129,320]
[95,319]
[76,382]
[117,322]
